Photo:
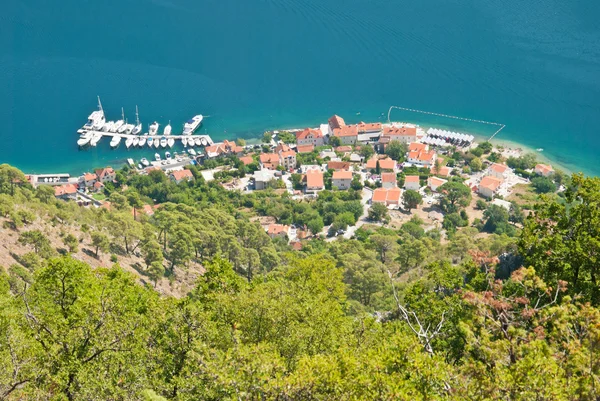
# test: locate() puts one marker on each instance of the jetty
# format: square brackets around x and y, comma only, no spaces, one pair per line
[206,139]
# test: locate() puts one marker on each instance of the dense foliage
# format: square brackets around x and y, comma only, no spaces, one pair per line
[394,313]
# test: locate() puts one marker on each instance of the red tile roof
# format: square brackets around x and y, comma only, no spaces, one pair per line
[368,127]
[491,183]
[89,176]
[336,165]
[386,164]
[287,153]
[418,147]
[388,177]
[305,148]
[67,189]
[346,130]
[246,160]
[443,171]
[103,172]
[300,135]
[498,168]
[400,131]
[336,122]
[411,178]
[269,158]
[435,181]
[182,174]
[544,168]
[342,175]
[314,179]
[277,229]
[390,196]
[343,149]
[98,185]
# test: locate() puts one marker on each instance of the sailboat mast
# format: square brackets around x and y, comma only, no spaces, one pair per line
[137,116]
[99,104]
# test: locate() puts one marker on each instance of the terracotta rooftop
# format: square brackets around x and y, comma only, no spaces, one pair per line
[382,195]
[346,130]
[491,183]
[314,179]
[544,168]
[246,160]
[418,147]
[89,176]
[269,158]
[498,168]
[67,189]
[411,178]
[342,175]
[436,181]
[368,127]
[181,174]
[305,148]
[287,153]
[306,132]
[337,165]
[386,164]
[343,149]
[103,172]
[388,177]
[443,171]
[400,131]
[336,122]
[277,229]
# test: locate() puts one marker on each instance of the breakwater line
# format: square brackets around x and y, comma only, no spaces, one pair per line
[431,113]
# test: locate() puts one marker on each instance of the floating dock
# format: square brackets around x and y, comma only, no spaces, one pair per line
[207,138]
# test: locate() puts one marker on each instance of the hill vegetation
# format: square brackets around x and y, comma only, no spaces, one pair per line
[196,301]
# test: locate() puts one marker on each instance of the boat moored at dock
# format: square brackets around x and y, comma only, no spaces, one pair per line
[163,142]
[153,130]
[170,142]
[157,157]
[116,140]
[168,129]
[95,138]
[192,125]
[129,142]
[138,126]
[142,141]
[156,142]
[85,139]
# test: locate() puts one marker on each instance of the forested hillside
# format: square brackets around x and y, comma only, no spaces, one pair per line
[197,302]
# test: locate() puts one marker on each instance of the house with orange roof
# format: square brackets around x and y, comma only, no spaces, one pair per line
[233,148]
[498,170]
[310,137]
[489,186]
[282,147]
[287,159]
[66,191]
[336,122]
[400,134]
[385,164]
[106,174]
[424,158]
[181,175]
[246,160]
[215,150]
[98,186]
[412,182]
[348,134]
[278,230]
[387,196]
[417,147]
[88,180]
[341,179]
[389,180]
[305,148]
[369,128]
[338,165]
[269,160]
[435,182]
[314,181]
[343,149]
[544,170]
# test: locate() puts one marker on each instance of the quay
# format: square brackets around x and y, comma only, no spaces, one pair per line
[207,139]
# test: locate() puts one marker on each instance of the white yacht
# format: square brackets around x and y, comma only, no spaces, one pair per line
[192,125]
[129,142]
[163,142]
[118,125]
[204,142]
[107,126]
[96,119]
[153,130]
[168,156]
[192,152]
[198,141]
[115,141]
[138,126]
[184,141]
[136,141]
[84,139]
[145,162]
[143,141]
[157,157]
[96,138]
[150,142]
[123,126]
[156,142]
[128,128]
[167,130]
[170,142]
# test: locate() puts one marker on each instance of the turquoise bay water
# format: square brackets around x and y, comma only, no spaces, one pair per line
[258,64]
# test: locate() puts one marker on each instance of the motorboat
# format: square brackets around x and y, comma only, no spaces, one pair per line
[115,141]
[138,125]
[203,141]
[157,157]
[140,167]
[168,129]
[153,130]
[170,142]
[118,125]
[198,141]
[192,152]
[156,142]
[150,142]
[129,142]
[95,120]
[192,125]
[108,126]
[95,139]
[84,139]
[168,156]
[136,141]
[145,162]
[143,141]
[184,141]
[163,142]
[128,128]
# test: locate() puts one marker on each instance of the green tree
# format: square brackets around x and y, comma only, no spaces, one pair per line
[366,151]
[396,150]
[155,271]
[453,196]
[356,184]
[334,141]
[36,239]
[411,199]
[100,242]
[45,193]
[152,252]
[543,185]
[10,177]
[315,225]
[476,164]
[378,212]
[71,242]
[496,220]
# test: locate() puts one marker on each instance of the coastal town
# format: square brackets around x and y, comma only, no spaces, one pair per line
[387,163]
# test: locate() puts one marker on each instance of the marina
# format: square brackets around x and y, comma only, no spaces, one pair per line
[96,128]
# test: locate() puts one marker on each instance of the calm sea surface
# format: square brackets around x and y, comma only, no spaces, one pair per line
[256,64]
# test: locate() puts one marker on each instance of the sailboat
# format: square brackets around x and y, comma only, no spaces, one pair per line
[120,124]
[138,126]
[167,130]
[143,140]
[129,142]
[115,141]
[184,141]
